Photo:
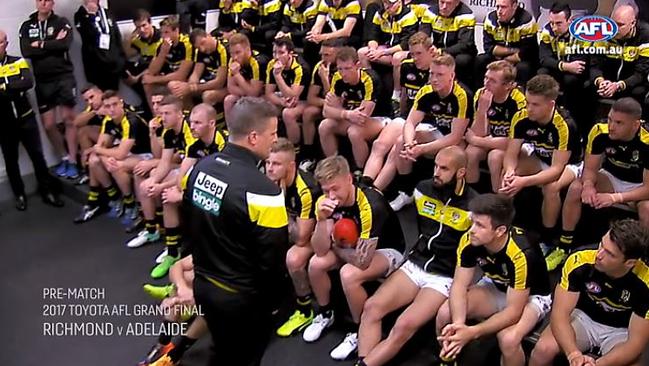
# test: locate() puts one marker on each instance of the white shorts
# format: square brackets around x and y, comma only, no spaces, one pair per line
[590,334]
[394,257]
[383,120]
[427,128]
[542,304]
[144,156]
[576,169]
[423,279]
[619,185]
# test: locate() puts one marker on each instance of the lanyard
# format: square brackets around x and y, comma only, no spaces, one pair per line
[101,21]
[41,31]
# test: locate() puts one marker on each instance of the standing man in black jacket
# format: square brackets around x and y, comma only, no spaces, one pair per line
[237,229]
[101,50]
[45,39]
[19,125]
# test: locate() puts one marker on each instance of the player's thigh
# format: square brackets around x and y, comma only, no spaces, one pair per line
[528,165]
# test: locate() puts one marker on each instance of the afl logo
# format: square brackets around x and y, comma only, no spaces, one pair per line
[593,28]
[411,77]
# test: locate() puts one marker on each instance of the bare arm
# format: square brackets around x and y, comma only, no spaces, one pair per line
[516,300]
[628,352]
[457,299]
[313,96]
[562,306]
[120,152]
[510,161]
[559,161]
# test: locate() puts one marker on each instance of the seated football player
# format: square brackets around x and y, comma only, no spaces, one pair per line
[372,254]
[301,191]
[439,117]
[513,294]
[601,303]
[286,85]
[495,106]
[173,60]
[246,72]
[105,159]
[615,172]
[543,140]
[350,108]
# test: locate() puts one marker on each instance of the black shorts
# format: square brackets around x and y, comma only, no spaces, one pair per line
[57,92]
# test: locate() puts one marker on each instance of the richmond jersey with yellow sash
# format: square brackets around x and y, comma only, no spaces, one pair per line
[626,160]
[230,18]
[297,74]
[368,88]
[606,300]
[559,134]
[631,66]
[181,51]
[15,81]
[146,49]
[130,127]
[374,218]
[301,196]
[500,115]
[518,265]
[554,49]
[412,79]
[199,149]
[441,111]
[178,141]
[296,22]
[453,34]
[213,61]
[336,16]
[442,218]
[316,80]
[237,225]
[255,69]
[519,32]
[393,30]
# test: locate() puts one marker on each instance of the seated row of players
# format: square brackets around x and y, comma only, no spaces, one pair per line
[449,23]
[437,115]
[459,232]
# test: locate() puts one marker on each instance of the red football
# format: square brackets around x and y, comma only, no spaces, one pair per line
[345,233]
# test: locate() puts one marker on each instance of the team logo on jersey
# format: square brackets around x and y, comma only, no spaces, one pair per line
[550,139]
[532,132]
[610,151]
[593,287]
[635,156]
[455,217]
[593,28]
[482,262]
[626,295]
[411,77]
[437,108]
[50,31]
[491,112]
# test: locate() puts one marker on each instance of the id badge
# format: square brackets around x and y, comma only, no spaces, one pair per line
[104,41]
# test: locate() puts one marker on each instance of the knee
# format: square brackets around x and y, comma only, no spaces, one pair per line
[551,189]
[373,310]
[545,351]
[643,212]
[574,191]
[295,260]
[380,147]
[230,100]
[495,157]
[355,134]
[473,153]
[349,275]
[289,115]
[362,52]
[508,340]
[326,126]
[403,329]
[443,316]
[94,161]
[318,265]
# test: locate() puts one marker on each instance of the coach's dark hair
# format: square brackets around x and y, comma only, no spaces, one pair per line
[498,207]
[284,42]
[140,15]
[250,114]
[561,7]
[543,85]
[110,94]
[628,105]
[631,237]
